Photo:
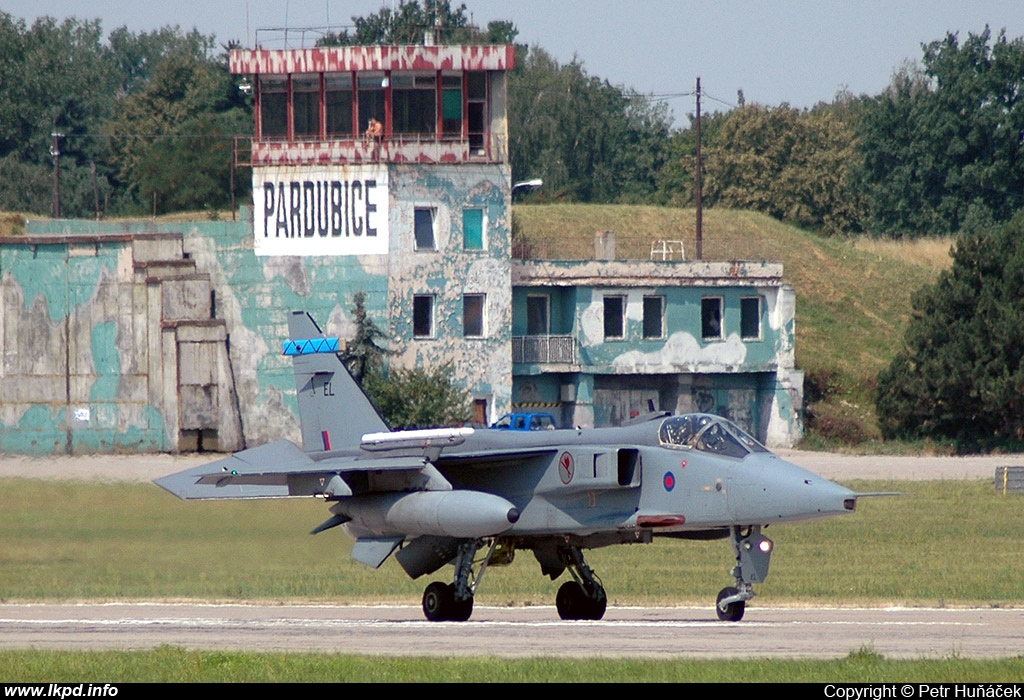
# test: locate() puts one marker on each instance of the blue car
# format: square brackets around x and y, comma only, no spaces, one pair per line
[525,421]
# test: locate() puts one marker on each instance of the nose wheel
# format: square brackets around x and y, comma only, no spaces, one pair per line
[729,606]
[753,554]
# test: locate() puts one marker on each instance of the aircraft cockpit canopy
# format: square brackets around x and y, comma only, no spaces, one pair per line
[708,433]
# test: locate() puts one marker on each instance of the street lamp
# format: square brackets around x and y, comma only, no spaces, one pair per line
[527,186]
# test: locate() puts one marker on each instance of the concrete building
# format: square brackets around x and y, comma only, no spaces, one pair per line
[394,160]
[602,342]
[381,170]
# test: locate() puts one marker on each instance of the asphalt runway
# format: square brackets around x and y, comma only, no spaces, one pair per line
[519,632]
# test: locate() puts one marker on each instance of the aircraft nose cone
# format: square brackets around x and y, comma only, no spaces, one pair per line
[777,491]
[828,498]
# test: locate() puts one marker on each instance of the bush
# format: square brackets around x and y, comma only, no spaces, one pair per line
[960,374]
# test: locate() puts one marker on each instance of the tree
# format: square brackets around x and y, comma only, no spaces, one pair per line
[171,139]
[960,374]
[795,165]
[55,76]
[588,140]
[406,23]
[941,146]
[418,398]
[364,354]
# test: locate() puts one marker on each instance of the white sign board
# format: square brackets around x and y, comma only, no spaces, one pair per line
[320,210]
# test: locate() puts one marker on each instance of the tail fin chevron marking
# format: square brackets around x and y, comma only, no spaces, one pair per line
[333,410]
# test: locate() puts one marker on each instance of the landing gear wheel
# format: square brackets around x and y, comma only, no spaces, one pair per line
[461,610]
[440,605]
[438,601]
[733,612]
[573,603]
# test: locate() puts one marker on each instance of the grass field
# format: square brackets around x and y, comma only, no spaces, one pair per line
[106,541]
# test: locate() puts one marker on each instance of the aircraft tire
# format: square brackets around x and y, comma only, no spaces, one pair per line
[461,610]
[733,611]
[573,603]
[438,601]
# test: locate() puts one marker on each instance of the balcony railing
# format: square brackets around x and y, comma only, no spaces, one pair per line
[560,349]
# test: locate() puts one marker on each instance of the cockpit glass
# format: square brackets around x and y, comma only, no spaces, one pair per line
[708,433]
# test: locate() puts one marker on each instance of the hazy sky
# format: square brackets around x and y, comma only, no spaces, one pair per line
[796,51]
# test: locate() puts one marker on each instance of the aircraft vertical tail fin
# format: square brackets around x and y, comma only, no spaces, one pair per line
[333,409]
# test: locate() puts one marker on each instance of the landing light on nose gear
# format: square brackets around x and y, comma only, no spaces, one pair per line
[753,554]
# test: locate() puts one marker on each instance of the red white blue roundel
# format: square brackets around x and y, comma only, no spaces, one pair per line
[669,481]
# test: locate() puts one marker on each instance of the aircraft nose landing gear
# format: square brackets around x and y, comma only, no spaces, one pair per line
[753,554]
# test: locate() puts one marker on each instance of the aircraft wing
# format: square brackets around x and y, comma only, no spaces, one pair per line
[281,469]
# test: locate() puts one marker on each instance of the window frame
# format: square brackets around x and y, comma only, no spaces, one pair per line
[621,298]
[719,302]
[660,298]
[430,300]
[546,298]
[483,229]
[481,322]
[744,301]
[417,213]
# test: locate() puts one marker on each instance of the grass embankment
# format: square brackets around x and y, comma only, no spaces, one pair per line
[853,295]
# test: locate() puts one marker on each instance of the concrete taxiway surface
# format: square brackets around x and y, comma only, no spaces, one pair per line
[519,632]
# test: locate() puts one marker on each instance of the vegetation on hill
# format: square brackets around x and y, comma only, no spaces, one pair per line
[853,298]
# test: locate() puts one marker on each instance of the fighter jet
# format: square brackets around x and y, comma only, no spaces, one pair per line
[473,498]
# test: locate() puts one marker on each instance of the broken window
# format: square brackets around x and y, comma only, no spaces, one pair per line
[423,225]
[614,317]
[654,317]
[711,318]
[750,318]
[423,316]
[476,82]
[473,229]
[473,315]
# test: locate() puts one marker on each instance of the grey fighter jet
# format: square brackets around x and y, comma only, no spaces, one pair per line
[473,498]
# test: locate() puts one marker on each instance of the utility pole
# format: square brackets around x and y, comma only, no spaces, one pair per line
[55,153]
[699,186]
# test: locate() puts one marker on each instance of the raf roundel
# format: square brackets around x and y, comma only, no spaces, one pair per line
[669,481]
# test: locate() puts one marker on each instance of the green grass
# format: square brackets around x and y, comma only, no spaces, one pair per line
[75,541]
[174,665]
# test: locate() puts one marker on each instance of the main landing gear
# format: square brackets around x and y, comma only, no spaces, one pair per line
[453,602]
[583,598]
[753,554]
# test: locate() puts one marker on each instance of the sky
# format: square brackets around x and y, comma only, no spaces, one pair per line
[799,52]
